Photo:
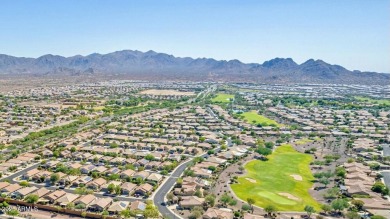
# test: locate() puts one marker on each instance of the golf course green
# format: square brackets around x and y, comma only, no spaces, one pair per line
[252,116]
[283,181]
[222,98]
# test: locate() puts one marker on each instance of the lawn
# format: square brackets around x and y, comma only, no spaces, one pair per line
[253,116]
[276,181]
[303,141]
[370,100]
[222,98]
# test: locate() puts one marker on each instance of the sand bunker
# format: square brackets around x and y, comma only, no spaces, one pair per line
[296,177]
[289,196]
[251,180]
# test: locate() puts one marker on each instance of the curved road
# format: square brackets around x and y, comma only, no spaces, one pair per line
[166,187]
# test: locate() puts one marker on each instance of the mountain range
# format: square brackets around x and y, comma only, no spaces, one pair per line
[160,66]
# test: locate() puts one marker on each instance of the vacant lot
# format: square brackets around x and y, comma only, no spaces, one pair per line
[167,92]
[253,116]
[223,98]
[283,181]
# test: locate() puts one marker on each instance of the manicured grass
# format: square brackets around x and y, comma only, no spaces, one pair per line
[370,100]
[222,98]
[303,141]
[273,177]
[253,116]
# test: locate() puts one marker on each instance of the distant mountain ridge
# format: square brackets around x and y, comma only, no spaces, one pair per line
[153,65]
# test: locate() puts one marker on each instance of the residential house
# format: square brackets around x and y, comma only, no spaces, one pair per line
[127,174]
[85,199]
[144,189]
[155,177]
[191,201]
[100,204]
[128,188]
[66,199]
[137,206]
[52,197]
[216,213]
[10,189]
[96,184]
[118,206]
[41,192]
[22,193]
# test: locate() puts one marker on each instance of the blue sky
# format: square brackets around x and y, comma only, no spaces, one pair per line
[352,33]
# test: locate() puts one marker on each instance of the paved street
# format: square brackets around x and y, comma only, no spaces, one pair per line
[386,151]
[386,177]
[18,174]
[166,187]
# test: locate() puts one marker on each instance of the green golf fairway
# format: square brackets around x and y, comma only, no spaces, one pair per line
[253,116]
[267,179]
[222,98]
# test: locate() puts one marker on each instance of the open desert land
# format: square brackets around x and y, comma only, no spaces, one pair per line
[167,92]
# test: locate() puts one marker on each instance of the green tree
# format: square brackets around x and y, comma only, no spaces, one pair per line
[358,204]
[264,151]
[13,212]
[118,190]
[80,206]
[149,157]
[326,208]
[309,210]
[246,207]
[196,212]
[232,202]
[324,181]
[54,178]
[379,187]
[126,213]
[31,198]
[339,204]
[377,217]
[83,214]
[251,201]
[70,205]
[105,213]
[151,211]
[210,200]
[111,188]
[198,193]
[352,215]
[270,209]
[225,198]
[340,172]
[170,196]
[269,145]
[24,184]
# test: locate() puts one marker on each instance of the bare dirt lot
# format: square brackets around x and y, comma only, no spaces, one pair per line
[167,92]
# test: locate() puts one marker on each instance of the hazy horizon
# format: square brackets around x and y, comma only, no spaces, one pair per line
[260,62]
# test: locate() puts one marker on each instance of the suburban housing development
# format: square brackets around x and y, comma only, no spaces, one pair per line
[139,149]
